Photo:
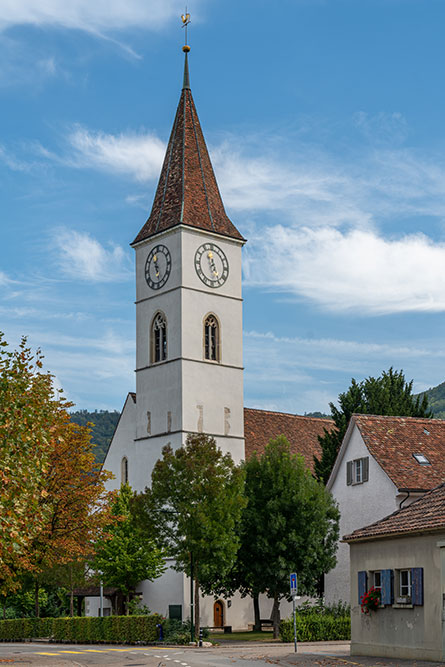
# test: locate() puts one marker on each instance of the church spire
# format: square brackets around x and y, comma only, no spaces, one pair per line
[186,84]
[187,191]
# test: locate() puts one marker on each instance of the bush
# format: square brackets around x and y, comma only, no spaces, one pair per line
[319,607]
[314,626]
[85,629]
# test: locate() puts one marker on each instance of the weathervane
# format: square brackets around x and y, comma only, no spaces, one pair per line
[185,22]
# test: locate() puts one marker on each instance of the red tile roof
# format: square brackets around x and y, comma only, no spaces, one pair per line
[392,441]
[187,191]
[425,514]
[260,426]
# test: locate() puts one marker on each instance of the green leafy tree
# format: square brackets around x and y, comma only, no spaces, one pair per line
[195,502]
[128,554]
[290,524]
[388,394]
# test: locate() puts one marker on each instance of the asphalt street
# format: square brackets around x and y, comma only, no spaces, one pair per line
[248,655]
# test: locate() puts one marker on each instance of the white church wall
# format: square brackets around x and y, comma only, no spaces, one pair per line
[122,445]
[360,505]
[159,392]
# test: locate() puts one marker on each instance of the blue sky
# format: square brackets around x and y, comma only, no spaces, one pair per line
[324,119]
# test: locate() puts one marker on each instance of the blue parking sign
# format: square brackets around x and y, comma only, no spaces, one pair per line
[293,584]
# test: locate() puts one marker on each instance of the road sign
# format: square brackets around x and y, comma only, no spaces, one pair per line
[293,584]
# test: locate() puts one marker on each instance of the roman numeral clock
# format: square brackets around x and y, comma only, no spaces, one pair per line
[211,265]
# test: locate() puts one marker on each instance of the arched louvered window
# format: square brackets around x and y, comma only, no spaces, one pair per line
[212,336]
[124,470]
[159,338]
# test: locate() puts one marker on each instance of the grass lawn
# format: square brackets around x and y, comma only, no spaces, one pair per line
[242,636]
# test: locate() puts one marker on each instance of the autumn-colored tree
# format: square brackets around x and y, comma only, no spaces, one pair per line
[30,417]
[53,503]
[76,505]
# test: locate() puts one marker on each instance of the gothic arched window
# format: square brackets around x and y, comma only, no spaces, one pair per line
[124,470]
[211,338]
[158,338]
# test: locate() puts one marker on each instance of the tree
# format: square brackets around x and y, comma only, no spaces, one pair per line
[195,502]
[77,505]
[128,554]
[290,524]
[53,503]
[30,416]
[388,394]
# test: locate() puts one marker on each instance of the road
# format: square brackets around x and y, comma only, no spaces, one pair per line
[323,654]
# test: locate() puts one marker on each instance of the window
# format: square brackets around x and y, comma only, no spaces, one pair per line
[357,471]
[124,470]
[422,459]
[158,338]
[405,583]
[211,338]
[377,576]
[399,587]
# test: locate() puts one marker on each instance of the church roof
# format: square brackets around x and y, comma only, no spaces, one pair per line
[187,191]
[260,426]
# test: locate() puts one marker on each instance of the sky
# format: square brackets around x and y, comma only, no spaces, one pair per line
[324,121]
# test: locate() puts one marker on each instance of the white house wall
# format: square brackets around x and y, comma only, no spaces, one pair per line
[410,633]
[360,505]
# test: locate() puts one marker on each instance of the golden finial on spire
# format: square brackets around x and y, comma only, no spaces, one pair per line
[185,22]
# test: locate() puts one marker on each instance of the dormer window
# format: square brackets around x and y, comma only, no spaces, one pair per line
[422,459]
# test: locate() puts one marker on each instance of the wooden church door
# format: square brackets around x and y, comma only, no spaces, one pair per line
[218,614]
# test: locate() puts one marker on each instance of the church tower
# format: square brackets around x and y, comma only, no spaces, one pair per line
[189,373]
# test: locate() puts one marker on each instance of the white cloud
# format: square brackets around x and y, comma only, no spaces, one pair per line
[382,127]
[82,257]
[90,15]
[353,270]
[12,162]
[4,280]
[314,188]
[139,156]
[297,374]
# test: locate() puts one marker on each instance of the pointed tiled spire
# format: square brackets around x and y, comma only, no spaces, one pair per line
[187,191]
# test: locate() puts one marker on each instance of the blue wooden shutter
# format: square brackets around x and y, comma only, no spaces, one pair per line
[417,585]
[387,578]
[362,584]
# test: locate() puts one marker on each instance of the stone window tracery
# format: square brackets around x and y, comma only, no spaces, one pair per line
[158,338]
[211,338]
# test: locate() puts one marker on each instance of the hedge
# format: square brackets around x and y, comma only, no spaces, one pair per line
[316,628]
[84,629]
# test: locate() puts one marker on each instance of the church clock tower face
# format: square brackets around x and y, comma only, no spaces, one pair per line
[158,266]
[211,265]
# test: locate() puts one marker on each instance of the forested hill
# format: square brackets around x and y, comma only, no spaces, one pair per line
[436,400]
[103,429]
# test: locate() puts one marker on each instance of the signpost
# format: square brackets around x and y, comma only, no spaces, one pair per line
[295,597]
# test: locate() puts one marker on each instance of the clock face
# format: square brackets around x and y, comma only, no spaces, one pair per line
[211,265]
[157,267]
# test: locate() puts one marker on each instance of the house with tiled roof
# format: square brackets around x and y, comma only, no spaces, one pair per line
[403,557]
[384,463]
[189,359]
